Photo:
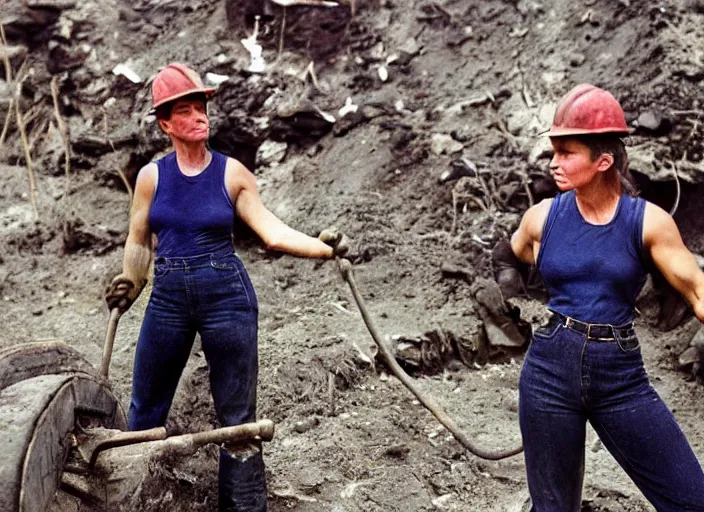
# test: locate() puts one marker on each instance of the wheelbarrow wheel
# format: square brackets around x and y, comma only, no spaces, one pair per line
[41,403]
[28,360]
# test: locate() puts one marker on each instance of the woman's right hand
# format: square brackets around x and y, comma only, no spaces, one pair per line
[122,292]
[338,241]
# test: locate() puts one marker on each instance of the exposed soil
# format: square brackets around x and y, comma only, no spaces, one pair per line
[472,79]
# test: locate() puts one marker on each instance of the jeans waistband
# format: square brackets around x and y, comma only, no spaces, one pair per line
[187,262]
[595,332]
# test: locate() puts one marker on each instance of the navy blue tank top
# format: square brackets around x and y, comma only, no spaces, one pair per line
[593,272]
[191,215]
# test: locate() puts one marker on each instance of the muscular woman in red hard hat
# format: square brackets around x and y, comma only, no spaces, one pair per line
[188,200]
[593,244]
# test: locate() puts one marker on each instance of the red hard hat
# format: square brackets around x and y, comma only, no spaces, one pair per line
[588,109]
[176,81]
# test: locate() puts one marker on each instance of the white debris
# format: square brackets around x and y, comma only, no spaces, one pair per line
[444,502]
[215,79]
[383,73]
[328,117]
[442,143]
[348,108]
[122,69]
[314,3]
[257,63]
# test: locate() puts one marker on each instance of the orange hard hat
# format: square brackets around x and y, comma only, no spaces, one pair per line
[587,109]
[176,81]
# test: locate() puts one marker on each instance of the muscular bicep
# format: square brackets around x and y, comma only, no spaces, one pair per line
[526,239]
[662,240]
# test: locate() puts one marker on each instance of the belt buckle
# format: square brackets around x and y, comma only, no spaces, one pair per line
[568,322]
[589,332]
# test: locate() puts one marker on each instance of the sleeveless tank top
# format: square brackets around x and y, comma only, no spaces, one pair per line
[593,273]
[192,215]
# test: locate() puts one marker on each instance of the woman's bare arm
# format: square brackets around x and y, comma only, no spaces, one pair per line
[667,250]
[276,234]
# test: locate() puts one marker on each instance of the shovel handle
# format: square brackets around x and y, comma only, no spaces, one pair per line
[109,341]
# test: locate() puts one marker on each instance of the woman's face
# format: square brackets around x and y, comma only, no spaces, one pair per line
[188,122]
[572,165]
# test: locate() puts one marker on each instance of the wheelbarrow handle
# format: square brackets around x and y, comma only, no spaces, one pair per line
[109,341]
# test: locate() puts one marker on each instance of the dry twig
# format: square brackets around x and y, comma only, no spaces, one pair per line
[6,125]
[63,129]
[17,93]
[675,172]
[120,172]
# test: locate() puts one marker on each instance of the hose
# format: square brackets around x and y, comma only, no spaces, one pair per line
[346,270]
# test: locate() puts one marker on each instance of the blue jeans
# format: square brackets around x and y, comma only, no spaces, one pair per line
[568,380]
[213,296]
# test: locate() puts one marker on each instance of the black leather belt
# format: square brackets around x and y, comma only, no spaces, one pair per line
[595,332]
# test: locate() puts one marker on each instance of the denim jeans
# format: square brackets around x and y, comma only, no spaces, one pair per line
[213,296]
[567,380]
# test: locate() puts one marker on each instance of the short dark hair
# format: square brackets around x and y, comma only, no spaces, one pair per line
[600,144]
[164,111]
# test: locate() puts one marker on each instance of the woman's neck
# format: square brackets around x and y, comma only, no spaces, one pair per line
[597,201]
[192,157]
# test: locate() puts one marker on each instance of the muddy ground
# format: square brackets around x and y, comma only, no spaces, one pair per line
[477,80]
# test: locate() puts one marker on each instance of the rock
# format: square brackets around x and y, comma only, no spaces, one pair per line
[542,149]
[501,320]
[271,152]
[397,451]
[444,144]
[458,168]
[16,54]
[410,47]
[446,502]
[64,57]
[653,122]
[577,59]
[22,22]
[401,138]
[694,354]
[58,5]
[517,120]
[305,425]
[690,72]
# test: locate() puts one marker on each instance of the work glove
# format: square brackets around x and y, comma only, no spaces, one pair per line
[509,271]
[339,242]
[122,292]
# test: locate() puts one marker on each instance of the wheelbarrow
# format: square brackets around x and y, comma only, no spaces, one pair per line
[62,428]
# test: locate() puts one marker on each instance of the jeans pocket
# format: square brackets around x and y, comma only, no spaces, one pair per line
[160,269]
[239,285]
[222,265]
[627,343]
[548,331]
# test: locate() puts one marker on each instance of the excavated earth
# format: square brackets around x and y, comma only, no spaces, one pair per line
[433,82]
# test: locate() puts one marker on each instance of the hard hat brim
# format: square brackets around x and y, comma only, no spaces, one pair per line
[208,91]
[569,132]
